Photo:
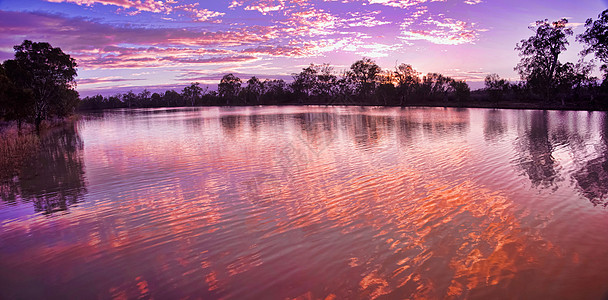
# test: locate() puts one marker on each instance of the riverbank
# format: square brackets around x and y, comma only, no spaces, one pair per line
[477,99]
[19,146]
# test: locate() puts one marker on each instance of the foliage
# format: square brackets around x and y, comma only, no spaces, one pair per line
[364,74]
[47,74]
[461,89]
[229,87]
[595,39]
[192,93]
[539,55]
[496,87]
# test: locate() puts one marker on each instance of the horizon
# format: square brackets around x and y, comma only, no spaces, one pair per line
[123,45]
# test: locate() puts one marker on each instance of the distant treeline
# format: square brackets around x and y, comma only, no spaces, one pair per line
[364,84]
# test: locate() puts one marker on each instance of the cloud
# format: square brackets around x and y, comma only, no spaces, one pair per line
[80,33]
[444,32]
[401,3]
[311,23]
[146,5]
[360,19]
[284,51]
[97,80]
[154,6]
[266,6]
[198,14]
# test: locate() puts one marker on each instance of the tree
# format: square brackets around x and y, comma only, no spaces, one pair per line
[573,80]
[173,98]
[192,93]
[304,82]
[15,104]
[496,87]
[435,86]
[408,81]
[326,82]
[276,91]
[49,74]
[130,99]
[229,87]
[143,98]
[539,55]
[315,81]
[254,89]
[461,89]
[595,38]
[364,73]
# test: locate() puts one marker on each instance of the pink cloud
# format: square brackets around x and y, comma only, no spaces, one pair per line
[79,33]
[146,5]
[154,6]
[97,80]
[444,32]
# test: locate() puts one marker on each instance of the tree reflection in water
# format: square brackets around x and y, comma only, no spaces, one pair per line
[495,126]
[535,152]
[53,179]
[592,177]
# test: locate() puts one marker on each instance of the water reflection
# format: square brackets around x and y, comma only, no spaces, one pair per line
[535,150]
[495,126]
[319,203]
[592,177]
[53,179]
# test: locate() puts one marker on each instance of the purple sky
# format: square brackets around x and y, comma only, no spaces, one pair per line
[132,44]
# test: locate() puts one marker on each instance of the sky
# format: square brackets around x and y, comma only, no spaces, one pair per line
[123,45]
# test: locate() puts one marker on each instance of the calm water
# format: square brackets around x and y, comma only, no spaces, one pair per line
[312,202]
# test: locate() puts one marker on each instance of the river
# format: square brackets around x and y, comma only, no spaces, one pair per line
[312,203]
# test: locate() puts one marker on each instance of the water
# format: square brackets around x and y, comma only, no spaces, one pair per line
[312,202]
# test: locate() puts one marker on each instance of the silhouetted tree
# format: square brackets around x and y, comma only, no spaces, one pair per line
[408,81]
[49,74]
[192,93]
[304,82]
[572,79]
[253,91]
[229,87]
[363,74]
[496,87]
[130,99]
[143,98]
[461,89]
[173,98]
[595,38]
[539,55]
[156,100]
[15,104]
[276,91]
[325,87]
[435,87]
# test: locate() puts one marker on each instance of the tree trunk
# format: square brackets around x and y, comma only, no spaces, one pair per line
[38,121]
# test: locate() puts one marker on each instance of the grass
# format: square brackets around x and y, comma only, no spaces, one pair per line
[16,148]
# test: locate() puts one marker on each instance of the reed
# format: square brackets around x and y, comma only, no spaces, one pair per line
[15,149]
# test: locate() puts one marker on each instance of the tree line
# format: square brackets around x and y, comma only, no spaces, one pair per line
[365,83]
[39,82]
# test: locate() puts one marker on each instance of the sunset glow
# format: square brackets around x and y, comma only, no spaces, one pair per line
[128,44]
